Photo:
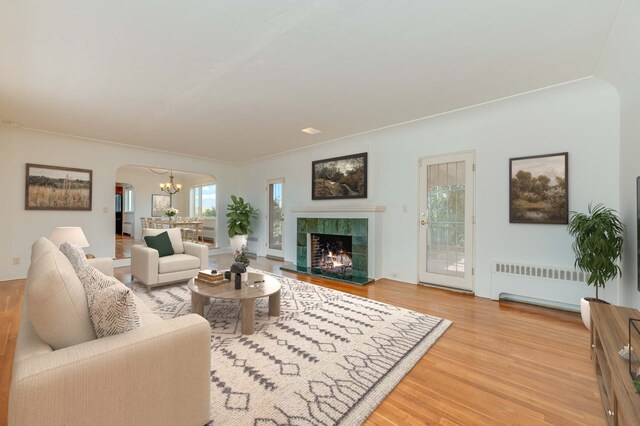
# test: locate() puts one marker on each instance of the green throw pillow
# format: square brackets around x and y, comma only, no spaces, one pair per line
[160,242]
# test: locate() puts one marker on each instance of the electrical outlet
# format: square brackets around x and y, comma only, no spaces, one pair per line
[105,210]
[16,260]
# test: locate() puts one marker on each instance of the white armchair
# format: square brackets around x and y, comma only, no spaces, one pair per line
[151,270]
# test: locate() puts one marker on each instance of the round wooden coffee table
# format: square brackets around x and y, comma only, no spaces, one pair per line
[266,285]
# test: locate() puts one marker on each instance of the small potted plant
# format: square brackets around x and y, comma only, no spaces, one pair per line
[171,212]
[241,256]
[239,217]
[597,246]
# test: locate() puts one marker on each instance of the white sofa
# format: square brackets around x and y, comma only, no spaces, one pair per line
[102,264]
[151,270]
[158,374]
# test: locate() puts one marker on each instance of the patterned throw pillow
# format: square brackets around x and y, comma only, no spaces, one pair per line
[76,256]
[112,307]
[113,311]
[94,280]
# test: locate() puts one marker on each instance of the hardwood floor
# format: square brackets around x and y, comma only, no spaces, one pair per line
[123,246]
[499,363]
[10,309]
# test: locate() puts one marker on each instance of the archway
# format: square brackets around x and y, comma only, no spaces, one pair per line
[196,199]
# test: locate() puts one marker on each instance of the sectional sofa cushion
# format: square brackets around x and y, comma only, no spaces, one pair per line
[58,308]
[175,235]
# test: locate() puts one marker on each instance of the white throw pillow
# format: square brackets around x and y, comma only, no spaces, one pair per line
[175,235]
[76,256]
[112,307]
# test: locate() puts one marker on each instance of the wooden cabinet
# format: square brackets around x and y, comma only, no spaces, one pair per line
[609,333]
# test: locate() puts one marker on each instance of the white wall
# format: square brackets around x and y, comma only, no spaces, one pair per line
[23,227]
[620,65]
[581,118]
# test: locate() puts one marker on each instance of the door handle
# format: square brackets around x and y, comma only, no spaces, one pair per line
[423,222]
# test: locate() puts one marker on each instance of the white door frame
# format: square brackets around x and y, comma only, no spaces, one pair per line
[269,250]
[468,283]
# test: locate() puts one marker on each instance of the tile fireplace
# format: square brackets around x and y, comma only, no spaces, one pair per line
[333,247]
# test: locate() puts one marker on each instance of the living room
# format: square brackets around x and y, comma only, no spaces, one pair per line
[579,97]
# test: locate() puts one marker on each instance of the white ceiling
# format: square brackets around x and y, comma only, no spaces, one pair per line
[237,80]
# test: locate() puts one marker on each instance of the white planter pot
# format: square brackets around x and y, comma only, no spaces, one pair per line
[585,311]
[237,241]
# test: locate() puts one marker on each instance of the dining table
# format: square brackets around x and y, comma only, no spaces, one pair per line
[196,225]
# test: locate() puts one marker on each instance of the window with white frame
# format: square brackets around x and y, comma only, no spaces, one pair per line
[128,199]
[203,200]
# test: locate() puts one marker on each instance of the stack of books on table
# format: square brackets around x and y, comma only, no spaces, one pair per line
[211,277]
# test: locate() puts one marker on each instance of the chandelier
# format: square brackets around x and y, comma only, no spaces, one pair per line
[170,188]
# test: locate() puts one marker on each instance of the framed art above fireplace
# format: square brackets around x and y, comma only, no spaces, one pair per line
[339,178]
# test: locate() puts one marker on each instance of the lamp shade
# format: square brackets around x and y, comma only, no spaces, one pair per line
[72,234]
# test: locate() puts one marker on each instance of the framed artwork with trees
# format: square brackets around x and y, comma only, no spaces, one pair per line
[538,189]
[339,178]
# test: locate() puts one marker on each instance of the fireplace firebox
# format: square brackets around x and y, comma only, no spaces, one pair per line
[331,253]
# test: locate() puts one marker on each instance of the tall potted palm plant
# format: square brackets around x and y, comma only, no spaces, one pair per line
[239,215]
[597,246]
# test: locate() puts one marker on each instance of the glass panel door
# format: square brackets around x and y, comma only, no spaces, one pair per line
[275,217]
[446,221]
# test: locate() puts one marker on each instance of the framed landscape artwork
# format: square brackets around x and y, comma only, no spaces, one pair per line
[159,204]
[57,188]
[538,189]
[339,178]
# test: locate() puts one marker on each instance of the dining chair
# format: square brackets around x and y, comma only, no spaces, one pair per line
[199,228]
[188,232]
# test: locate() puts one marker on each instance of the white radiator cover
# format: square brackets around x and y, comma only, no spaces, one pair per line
[561,287]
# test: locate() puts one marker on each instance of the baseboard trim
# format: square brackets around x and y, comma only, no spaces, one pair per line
[444,287]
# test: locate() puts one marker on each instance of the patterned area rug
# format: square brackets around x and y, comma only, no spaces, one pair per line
[330,358]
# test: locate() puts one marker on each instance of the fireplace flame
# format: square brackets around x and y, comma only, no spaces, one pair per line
[331,259]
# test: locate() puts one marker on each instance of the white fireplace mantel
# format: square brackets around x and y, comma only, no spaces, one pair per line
[331,209]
